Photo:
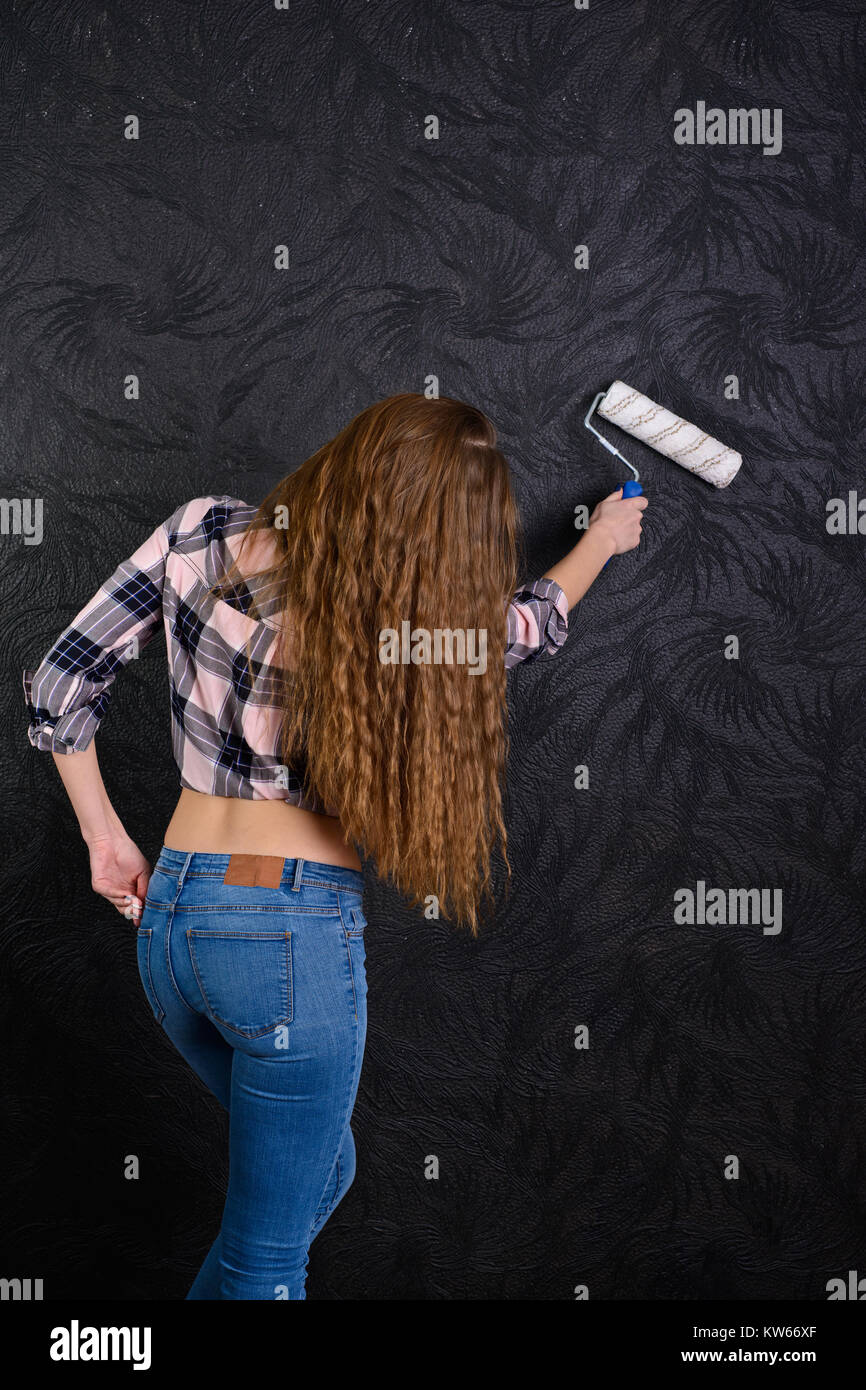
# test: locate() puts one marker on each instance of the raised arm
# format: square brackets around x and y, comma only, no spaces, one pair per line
[538,613]
[614,527]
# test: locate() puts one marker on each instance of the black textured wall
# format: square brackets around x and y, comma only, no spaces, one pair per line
[411,258]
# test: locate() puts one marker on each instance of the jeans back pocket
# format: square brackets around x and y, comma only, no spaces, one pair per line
[245,976]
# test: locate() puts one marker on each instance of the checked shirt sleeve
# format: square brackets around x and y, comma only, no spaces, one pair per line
[537,621]
[68,693]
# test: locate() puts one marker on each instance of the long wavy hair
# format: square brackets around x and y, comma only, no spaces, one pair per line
[406,515]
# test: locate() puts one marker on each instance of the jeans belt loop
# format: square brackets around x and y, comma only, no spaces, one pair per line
[182,875]
[299,872]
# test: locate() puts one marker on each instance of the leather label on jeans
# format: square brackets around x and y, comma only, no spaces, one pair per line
[255,870]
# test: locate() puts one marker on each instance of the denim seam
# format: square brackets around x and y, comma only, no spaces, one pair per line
[353,1078]
[149,985]
[351,973]
[325,1211]
[306,882]
[267,908]
[351,967]
[357,1061]
[169,922]
[330,1207]
[353,1083]
[238,935]
[169,971]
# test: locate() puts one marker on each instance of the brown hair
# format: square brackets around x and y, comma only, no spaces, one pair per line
[406,514]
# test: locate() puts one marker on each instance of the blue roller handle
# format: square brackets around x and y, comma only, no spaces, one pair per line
[630,489]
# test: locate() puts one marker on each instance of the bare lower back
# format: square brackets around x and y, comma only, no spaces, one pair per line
[230,825]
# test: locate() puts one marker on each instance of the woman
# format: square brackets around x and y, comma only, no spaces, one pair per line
[310,716]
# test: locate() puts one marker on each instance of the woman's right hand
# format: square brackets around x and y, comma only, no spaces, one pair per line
[120,873]
[620,520]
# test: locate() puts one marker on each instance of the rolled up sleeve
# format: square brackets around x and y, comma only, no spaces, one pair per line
[537,621]
[68,693]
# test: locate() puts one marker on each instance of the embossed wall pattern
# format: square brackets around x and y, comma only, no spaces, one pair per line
[561,1165]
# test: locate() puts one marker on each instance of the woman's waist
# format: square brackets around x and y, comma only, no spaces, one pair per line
[232,825]
[256,871]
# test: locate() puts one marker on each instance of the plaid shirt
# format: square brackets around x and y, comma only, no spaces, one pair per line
[224,730]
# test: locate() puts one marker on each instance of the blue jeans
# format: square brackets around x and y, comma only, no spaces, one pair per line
[263,991]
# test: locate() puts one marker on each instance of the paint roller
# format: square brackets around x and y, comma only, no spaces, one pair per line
[669,434]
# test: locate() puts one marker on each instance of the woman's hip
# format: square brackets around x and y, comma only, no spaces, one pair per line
[272,953]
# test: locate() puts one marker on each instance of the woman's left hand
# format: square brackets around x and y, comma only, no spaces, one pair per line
[120,873]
